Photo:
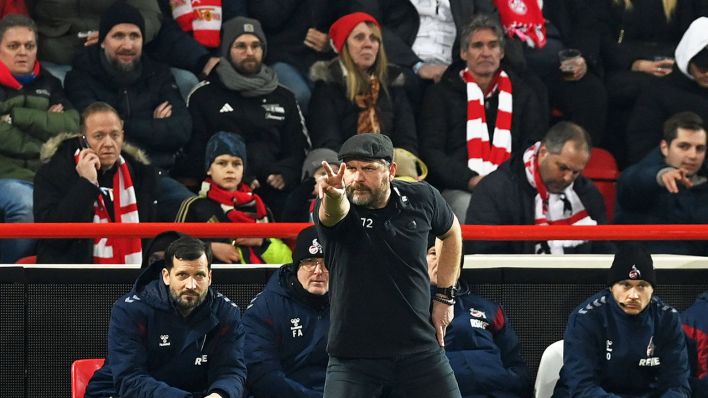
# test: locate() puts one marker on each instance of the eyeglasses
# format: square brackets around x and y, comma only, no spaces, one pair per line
[242,47]
[310,264]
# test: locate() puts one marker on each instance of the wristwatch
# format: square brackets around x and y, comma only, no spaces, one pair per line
[448,293]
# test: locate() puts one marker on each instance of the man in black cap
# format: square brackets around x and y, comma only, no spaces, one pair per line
[374,231]
[140,89]
[243,96]
[624,341]
[286,326]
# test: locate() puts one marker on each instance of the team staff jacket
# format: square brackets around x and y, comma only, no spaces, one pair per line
[61,195]
[607,353]
[271,125]
[695,326]
[379,284]
[154,352]
[32,124]
[483,350]
[286,340]
[505,197]
[443,130]
[162,138]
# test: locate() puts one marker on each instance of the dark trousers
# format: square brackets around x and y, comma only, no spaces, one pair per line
[427,374]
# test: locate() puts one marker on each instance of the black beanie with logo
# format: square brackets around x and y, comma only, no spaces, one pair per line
[632,262]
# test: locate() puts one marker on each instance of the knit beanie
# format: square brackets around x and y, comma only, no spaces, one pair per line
[307,245]
[238,26]
[224,143]
[313,161]
[341,28]
[118,13]
[632,262]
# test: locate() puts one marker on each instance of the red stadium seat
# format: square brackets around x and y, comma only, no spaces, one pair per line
[27,260]
[81,372]
[602,170]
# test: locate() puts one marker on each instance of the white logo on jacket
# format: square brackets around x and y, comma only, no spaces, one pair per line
[226,108]
[296,328]
[164,342]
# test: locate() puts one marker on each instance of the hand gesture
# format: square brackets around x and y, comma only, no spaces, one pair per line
[442,315]
[432,72]
[88,165]
[91,38]
[333,184]
[164,110]
[58,108]
[657,68]
[317,40]
[672,178]
[276,181]
[225,252]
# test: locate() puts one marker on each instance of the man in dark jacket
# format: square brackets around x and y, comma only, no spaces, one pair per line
[477,116]
[483,349]
[143,92]
[695,327]
[243,96]
[669,185]
[541,186]
[94,177]
[33,109]
[286,326]
[624,341]
[174,336]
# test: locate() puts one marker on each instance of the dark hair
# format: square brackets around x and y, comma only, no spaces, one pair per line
[562,132]
[187,248]
[17,21]
[97,107]
[479,22]
[683,120]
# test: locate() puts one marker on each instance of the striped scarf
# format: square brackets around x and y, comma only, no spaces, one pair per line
[482,157]
[125,210]
[202,17]
[554,208]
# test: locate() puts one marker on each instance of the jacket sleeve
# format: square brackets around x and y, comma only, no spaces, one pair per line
[15,142]
[191,164]
[581,359]
[487,208]
[406,136]
[325,119]
[434,130]
[128,357]
[42,124]
[166,134]
[266,377]
[518,378]
[227,369]
[637,188]
[674,372]
[697,349]
[295,141]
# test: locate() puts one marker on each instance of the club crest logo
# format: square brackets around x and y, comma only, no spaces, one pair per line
[315,247]
[518,6]
[634,273]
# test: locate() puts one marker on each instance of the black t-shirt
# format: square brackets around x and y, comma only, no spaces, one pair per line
[379,284]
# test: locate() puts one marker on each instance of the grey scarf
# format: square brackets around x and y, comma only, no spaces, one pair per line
[262,83]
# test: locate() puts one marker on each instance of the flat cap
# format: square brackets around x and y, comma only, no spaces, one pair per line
[367,146]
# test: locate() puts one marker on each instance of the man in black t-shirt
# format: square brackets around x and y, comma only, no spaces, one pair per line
[374,232]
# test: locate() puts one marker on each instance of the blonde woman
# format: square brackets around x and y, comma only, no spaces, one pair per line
[359,92]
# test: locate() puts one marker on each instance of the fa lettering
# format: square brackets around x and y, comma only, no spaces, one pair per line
[296,328]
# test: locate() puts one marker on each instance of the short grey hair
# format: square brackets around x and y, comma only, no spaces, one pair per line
[563,132]
[17,21]
[479,22]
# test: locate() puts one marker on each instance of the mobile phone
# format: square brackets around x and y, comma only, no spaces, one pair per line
[83,142]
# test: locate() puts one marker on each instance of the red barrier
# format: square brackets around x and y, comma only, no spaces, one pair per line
[290,230]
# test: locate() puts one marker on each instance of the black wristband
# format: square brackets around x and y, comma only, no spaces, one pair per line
[443,300]
[448,293]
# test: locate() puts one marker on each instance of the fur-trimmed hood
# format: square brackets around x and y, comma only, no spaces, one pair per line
[333,71]
[52,146]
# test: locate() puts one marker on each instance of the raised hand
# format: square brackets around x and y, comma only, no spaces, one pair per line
[332,185]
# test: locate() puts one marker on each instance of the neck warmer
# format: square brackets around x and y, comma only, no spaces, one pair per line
[293,285]
[368,121]
[563,208]
[125,210]
[7,79]
[482,157]
[120,77]
[262,83]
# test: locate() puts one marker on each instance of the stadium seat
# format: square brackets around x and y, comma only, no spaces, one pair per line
[603,171]
[81,372]
[548,370]
[27,260]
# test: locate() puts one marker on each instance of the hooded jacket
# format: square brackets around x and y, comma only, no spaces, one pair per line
[61,195]
[154,351]
[162,138]
[675,93]
[607,353]
[32,124]
[443,127]
[286,339]
[334,117]
[483,349]
[695,326]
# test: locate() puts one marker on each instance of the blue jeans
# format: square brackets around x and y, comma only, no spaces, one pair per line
[16,206]
[300,85]
[421,375]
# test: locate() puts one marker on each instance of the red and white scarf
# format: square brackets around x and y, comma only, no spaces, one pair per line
[202,17]
[481,156]
[125,210]
[523,19]
[554,208]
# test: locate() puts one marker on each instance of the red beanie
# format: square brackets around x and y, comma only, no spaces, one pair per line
[342,27]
